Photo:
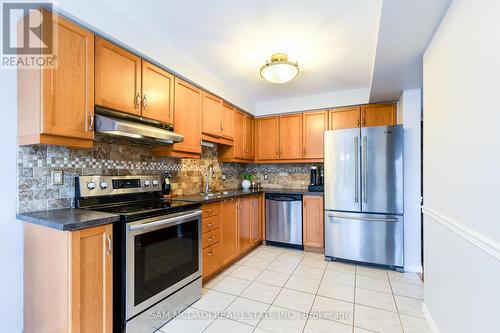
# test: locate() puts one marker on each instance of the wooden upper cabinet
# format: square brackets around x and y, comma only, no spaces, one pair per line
[56,105]
[290,138]
[239,134]
[229,229]
[157,93]
[267,132]
[118,78]
[313,221]
[212,115]
[187,116]
[379,114]
[343,118]
[227,128]
[248,130]
[314,125]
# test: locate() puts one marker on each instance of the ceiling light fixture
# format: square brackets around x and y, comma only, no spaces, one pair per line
[279,69]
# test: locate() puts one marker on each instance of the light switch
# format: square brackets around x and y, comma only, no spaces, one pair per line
[265,177]
[57,177]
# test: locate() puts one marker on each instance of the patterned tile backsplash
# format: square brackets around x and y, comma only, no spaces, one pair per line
[122,157]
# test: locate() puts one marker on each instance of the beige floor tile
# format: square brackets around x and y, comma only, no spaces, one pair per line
[295,252]
[273,278]
[376,319]
[373,284]
[228,270]
[191,320]
[414,325]
[232,285]
[268,255]
[302,284]
[226,325]
[246,273]
[316,255]
[282,267]
[375,299]
[256,262]
[407,277]
[362,330]
[326,326]
[314,262]
[333,309]
[339,277]
[246,311]
[371,272]
[409,290]
[279,320]
[409,306]
[309,272]
[336,290]
[341,267]
[261,292]
[294,300]
[214,301]
[286,257]
[214,281]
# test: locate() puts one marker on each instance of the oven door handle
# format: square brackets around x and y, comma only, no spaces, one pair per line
[171,220]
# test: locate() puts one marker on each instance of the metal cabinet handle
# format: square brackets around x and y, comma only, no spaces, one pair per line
[108,250]
[210,210]
[91,121]
[137,101]
[210,239]
[210,254]
[144,102]
[365,169]
[356,168]
[209,225]
[221,126]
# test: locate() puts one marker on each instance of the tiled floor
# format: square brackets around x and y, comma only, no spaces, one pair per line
[283,290]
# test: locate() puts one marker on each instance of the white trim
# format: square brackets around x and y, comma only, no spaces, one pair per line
[486,244]
[428,317]
[413,268]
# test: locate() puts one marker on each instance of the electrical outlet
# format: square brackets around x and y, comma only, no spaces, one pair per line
[57,177]
[265,177]
[223,177]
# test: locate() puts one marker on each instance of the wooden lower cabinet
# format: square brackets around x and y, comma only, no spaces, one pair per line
[229,226]
[313,221]
[212,259]
[254,219]
[244,223]
[68,280]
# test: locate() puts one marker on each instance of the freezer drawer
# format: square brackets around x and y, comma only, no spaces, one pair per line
[369,238]
[284,218]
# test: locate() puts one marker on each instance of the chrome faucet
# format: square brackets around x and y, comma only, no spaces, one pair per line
[210,171]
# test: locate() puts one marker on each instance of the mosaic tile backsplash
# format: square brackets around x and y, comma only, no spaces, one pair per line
[122,157]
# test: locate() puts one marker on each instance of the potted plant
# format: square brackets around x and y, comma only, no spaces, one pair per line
[247,180]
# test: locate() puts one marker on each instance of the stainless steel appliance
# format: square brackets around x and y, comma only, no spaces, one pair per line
[284,219]
[364,195]
[157,249]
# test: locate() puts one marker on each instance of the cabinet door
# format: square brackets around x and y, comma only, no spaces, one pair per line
[68,89]
[313,221]
[255,220]
[117,78]
[267,133]
[157,93]
[227,121]
[229,226]
[239,135]
[291,136]
[91,279]
[212,115]
[378,115]
[244,224]
[343,118]
[187,116]
[211,259]
[249,138]
[314,125]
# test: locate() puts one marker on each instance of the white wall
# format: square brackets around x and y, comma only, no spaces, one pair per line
[409,114]
[461,169]
[320,101]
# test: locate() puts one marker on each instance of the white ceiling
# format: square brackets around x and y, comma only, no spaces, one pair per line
[333,40]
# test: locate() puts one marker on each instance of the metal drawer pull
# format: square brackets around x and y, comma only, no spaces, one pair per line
[210,254]
[210,210]
[210,239]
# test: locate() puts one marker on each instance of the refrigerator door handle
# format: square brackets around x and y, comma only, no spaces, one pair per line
[356,168]
[379,219]
[365,169]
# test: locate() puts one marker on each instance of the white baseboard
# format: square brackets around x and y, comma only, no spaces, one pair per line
[414,269]
[428,317]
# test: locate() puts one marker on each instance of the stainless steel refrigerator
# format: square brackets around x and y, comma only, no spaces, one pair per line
[364,195]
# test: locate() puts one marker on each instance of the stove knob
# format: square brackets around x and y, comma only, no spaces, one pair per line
[91,185]
[146,183]
[104,185]
[155,182]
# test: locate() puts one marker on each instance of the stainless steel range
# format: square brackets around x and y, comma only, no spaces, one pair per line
[157,249]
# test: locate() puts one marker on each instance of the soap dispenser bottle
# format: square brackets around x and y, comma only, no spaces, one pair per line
[165,185]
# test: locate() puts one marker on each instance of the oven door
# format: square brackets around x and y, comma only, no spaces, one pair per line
[163,255]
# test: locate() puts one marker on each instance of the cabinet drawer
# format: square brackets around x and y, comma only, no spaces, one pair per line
[211,259]
[210,223]
[211,209]
[211,237]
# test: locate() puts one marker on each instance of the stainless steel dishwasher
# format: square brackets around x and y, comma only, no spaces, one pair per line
[284,219]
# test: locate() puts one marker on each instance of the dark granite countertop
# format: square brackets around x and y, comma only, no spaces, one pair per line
[69,219]
[237,193]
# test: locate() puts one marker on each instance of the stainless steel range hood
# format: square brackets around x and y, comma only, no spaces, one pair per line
[114,123]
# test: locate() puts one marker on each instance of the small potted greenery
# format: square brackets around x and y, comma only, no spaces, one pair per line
[247,180]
